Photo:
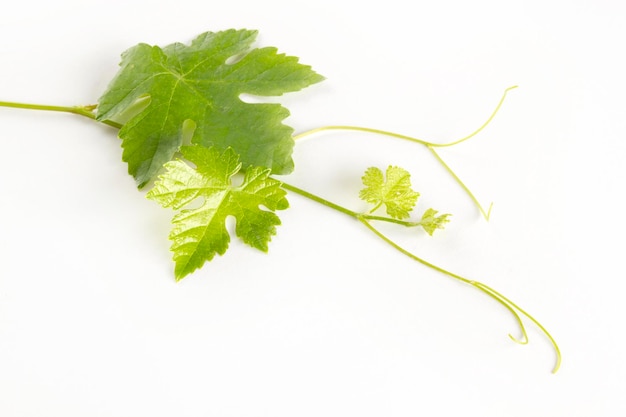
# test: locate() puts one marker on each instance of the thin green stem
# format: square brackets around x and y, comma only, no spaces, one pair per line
[513,308]
[486,214]
[390,220]
[504,301]
[428,144]
[319,199]
[362,129]
[484,125]
[406,137]
[86,111]
[376,207]
[475,284]
[346,211]
[557,365]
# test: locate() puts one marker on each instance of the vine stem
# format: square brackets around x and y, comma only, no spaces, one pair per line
[512,307]
[86,111]
[366,219]
[428,144]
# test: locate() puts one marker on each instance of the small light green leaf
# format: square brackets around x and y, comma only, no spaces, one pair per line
[394,191]
[431,222]
[202,83]
[200,233]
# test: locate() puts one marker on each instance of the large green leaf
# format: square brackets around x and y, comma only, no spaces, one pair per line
[202,83]
[200,233]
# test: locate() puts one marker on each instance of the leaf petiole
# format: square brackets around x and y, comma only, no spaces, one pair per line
[390,220]
[86,111]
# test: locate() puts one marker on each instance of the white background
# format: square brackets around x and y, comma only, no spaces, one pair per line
[331,322]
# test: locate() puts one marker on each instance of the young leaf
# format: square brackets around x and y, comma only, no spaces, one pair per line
[200,233]
[394,192]
[199,83]
[431,222]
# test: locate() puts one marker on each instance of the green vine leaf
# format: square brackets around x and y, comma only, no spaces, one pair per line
[199,85]
[394,191]
[431,222]
[200,233]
